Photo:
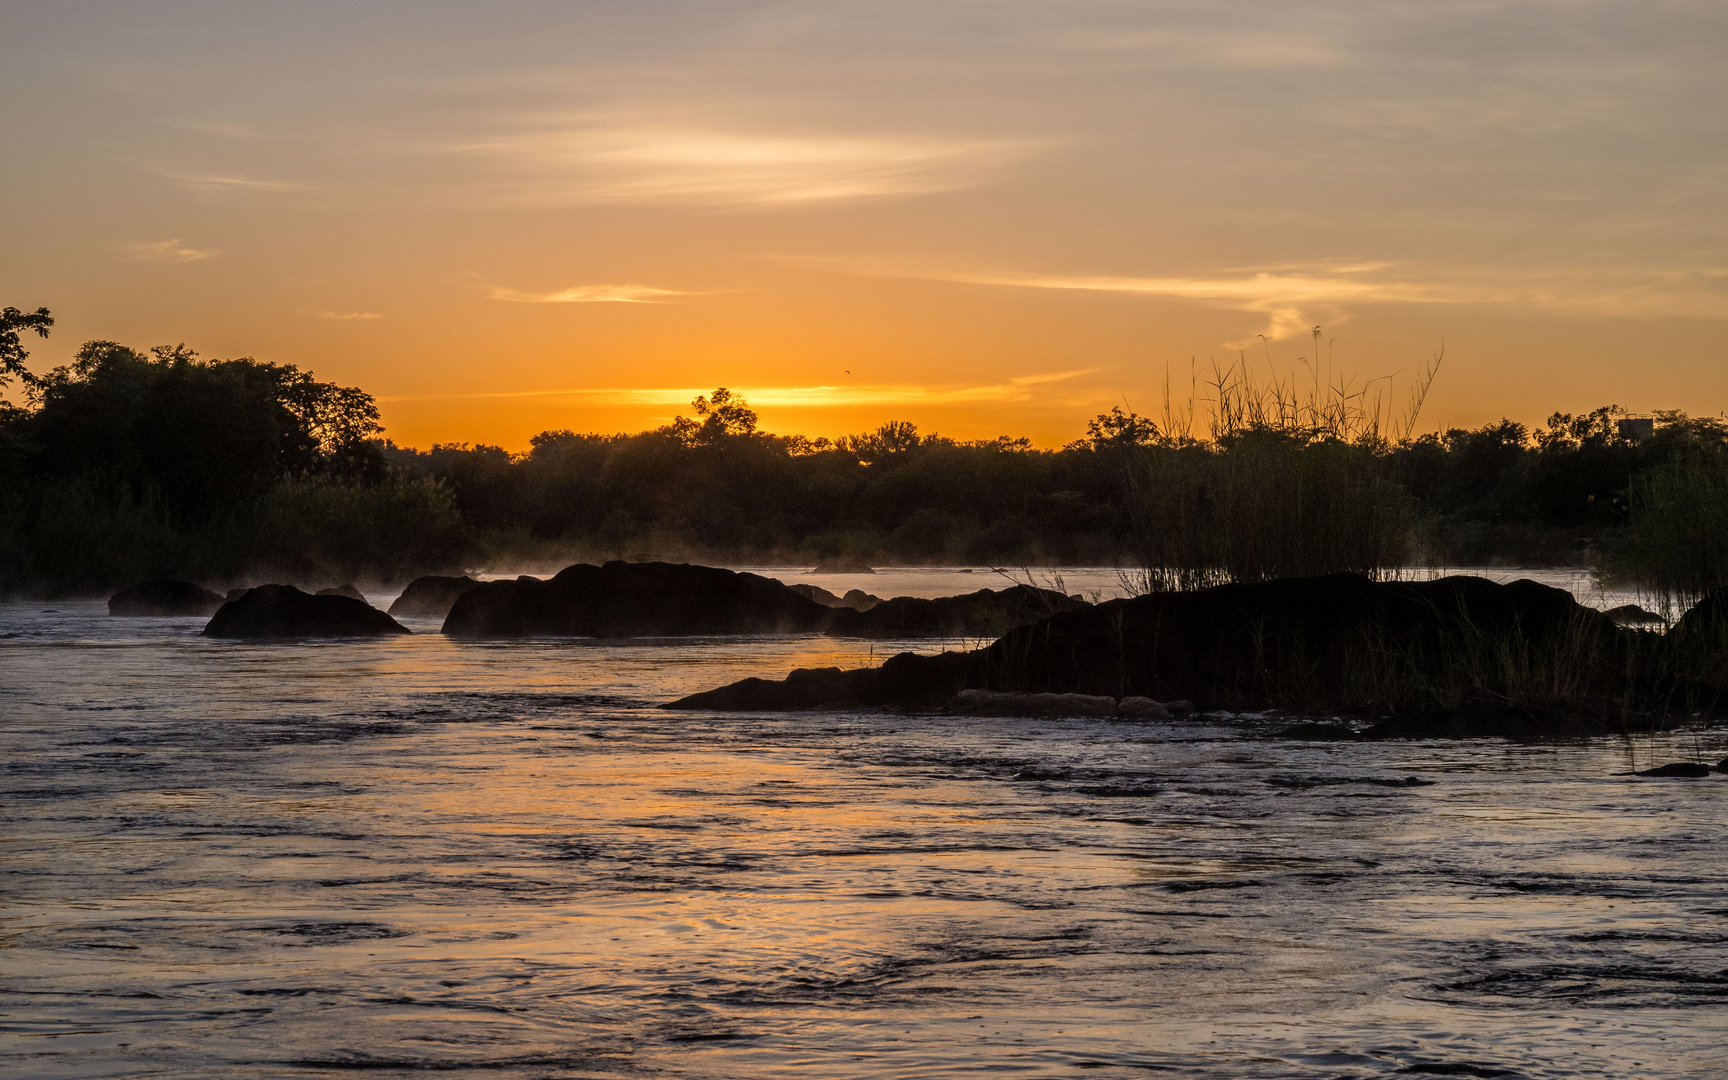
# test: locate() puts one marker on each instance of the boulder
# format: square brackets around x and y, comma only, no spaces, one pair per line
[856,599]
[859,600]
[986,613]
[345,589]
[282,611]
[622,599]
[1633,615]
[1688,769]
[164,598]
[1341,642]
[431,597]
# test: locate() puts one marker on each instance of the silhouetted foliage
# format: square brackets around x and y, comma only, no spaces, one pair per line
[125,465]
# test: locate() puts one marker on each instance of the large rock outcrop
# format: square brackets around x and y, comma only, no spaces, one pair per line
[623,599]
[987,613]
[431,597]
[164,598]
[282,611]
[1339,642]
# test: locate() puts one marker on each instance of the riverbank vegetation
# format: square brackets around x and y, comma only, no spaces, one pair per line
[125,465]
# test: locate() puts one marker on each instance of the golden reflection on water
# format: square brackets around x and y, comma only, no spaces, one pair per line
[502,860]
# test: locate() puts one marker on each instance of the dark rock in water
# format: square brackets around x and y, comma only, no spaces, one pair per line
[430,597]
[282,611]
[623,599]
[1679,768]
[235,594]
[817,593]
[1000,703]
[856,599]
[843,564]
[926,681]
[1317,732]
[345,589]
[1697,644]
[164,598]
[1633,615]
[986,613]
[1439,648]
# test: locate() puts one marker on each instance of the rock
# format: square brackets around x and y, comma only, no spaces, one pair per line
[1142,708]
[1307,645]
[282,611]
[986,613]
[347,590]
[905,680]
[856,599]
[1179,707]
[843,564]
[817,593]
[1633,615]
[1317,732]
[164,598]
[623,599]
[1679,768]
[430,597]
[997,703]
[235,594]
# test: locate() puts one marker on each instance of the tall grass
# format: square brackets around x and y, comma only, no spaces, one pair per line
[1293,481]
[1676,548]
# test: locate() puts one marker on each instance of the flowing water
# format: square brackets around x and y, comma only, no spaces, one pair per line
[419,856]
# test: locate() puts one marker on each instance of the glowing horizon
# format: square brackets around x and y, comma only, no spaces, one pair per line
[531,216]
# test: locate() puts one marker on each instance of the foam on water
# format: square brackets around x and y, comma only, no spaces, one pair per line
[419,856]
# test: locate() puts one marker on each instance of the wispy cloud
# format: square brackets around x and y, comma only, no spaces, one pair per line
[1292,299]
[581,161]
[349,316]
[592,294]
[165,251]
[1019,389]
[225,180]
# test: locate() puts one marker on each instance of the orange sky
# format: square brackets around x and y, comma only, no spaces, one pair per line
[984,218]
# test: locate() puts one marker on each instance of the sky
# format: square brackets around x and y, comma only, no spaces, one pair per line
[986,217]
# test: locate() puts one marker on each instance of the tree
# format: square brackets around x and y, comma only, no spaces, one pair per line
[1119,429]
[723,414]
[13,323]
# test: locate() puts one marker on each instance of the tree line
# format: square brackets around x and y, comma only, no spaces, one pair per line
[126,464]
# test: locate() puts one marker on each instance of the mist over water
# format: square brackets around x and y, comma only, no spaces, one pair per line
[417,855]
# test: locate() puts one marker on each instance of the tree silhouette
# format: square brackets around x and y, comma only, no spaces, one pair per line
[14,323]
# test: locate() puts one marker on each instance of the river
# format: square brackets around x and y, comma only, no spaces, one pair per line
[417,856]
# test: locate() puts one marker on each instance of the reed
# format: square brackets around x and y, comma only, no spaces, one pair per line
[1293,481]
[1675,550]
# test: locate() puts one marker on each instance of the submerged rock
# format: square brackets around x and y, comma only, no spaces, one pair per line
[1689,769]
[345,589]
[431,597]
[986,613]
[1341,642]
[282,611]
[1000,703]
[164,598]
[623,599]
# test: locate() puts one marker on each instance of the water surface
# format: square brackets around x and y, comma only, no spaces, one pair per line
[424,857]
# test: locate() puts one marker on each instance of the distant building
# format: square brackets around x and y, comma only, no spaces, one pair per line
[1636,427]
